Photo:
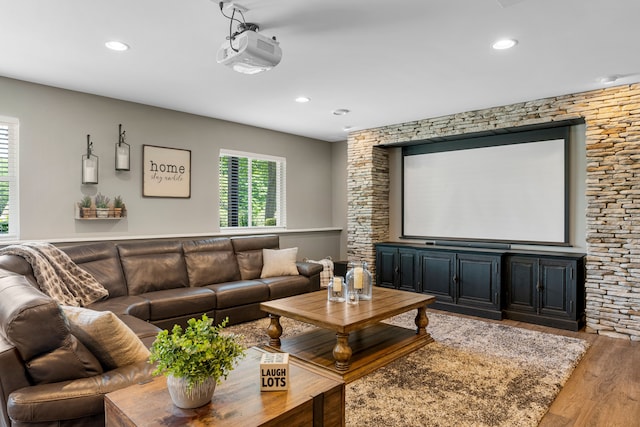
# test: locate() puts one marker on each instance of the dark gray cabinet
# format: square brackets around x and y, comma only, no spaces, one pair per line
[396,268]
[462,281]
[547,290]
[537,287]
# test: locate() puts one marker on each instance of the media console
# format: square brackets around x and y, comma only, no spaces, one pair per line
[541,287]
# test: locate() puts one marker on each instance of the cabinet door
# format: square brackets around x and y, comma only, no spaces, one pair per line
[522,280]
[386,266]
[478,280]
[407,271]
[557,284]
[436,274]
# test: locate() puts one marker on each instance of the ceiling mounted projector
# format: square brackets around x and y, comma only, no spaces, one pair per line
[250,52]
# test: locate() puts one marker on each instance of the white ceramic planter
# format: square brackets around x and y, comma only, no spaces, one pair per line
[102,212]
[199,395]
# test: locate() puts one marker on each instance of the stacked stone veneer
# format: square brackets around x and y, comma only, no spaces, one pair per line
[612,118]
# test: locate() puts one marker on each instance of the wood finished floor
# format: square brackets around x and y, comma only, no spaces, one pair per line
[604,389]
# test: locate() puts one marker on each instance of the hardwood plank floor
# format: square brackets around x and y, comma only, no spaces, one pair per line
[604,389]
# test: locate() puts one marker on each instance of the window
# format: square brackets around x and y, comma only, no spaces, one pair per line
[252,190]
[8,178]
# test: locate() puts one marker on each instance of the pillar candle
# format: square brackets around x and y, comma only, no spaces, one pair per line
[357,277]
[337,284]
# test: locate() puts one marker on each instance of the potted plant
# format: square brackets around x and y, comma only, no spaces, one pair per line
[118,206]
[195,359]
[102,206]
[85,207]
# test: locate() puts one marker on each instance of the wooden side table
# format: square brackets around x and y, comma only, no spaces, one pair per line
[313,399]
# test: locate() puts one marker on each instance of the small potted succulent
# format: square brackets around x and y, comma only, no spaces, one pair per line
[85,207]
[118,206]
[102,206]
[195,359]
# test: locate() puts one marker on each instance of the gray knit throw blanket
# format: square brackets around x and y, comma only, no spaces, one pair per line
[57,275]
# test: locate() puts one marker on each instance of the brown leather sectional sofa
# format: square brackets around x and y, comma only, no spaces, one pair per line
[46,377]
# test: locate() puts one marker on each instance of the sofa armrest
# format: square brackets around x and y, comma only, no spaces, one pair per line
[18,265]
[73,399]
[308,268]
[13,376]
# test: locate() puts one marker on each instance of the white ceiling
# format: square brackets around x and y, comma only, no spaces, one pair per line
[386,61]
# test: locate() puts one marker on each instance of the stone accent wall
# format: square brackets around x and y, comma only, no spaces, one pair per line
[612,119]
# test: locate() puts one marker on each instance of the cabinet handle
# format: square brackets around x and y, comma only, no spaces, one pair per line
[539,287]
[455,278]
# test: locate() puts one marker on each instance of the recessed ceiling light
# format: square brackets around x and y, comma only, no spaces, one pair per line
[607,80]
[340,111]
[117,46]
[303,99]
[504,44]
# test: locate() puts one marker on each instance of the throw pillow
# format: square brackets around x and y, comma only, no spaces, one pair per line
[279,262]
[106,336]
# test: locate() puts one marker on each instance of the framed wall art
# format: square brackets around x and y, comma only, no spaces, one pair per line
[166,172]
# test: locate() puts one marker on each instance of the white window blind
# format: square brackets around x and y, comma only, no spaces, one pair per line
[9,225]
[251,190]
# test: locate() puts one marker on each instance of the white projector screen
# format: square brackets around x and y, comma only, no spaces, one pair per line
[502,193]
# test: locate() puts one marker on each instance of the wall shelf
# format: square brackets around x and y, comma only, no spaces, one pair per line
[92,214]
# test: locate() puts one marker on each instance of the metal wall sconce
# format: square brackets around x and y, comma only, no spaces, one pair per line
[123,151]
[89,165]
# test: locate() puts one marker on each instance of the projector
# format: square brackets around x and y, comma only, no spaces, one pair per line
[253,53]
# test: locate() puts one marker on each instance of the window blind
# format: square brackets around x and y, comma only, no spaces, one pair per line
[9,217]
[251,190]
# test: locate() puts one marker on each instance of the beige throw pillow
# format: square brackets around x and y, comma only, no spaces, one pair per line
[279,262]
[106,336]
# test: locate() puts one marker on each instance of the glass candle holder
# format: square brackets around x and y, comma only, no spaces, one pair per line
[336,289]
[353,294]
[359,278]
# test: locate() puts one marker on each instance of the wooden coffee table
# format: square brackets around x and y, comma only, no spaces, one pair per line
[312,399]
[351,341]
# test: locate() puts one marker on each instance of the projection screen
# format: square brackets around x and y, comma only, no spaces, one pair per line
[512,192]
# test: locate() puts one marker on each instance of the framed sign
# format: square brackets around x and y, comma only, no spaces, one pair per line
[166,172]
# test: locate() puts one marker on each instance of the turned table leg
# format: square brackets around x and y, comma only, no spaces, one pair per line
[342,352]
[422,321]
[274,330]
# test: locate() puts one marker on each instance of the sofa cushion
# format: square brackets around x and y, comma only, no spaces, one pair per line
[133,305]
[153,266]
[72,360]
[279,262]
[147,332]
[248,251]
[210,261]
[281,287]
[179,302]
[108,338]
[240,293]
[102,262]
[250,264]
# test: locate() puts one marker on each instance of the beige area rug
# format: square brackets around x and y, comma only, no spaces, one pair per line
[476,373]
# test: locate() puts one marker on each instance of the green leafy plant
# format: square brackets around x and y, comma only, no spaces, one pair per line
[118,202]
[102,201]
[85,202]
[198,352]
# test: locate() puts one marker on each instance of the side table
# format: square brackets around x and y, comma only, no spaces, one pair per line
[313,399]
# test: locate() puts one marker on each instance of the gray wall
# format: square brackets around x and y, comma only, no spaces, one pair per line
[53,128]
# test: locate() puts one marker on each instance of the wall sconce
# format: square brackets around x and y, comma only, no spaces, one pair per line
[123,158]
[89,165]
